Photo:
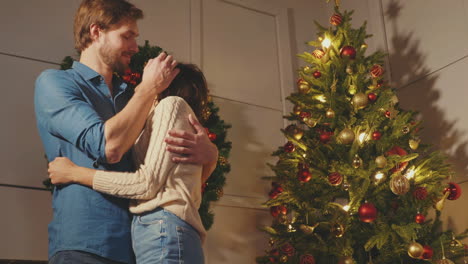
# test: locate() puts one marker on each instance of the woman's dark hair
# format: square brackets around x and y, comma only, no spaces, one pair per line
[190,84]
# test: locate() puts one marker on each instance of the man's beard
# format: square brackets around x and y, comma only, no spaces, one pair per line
[111,58]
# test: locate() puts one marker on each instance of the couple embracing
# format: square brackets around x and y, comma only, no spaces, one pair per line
[128,165]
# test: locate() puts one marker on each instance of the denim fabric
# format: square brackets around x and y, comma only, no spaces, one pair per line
[79,257]
[71,108]
[160,237]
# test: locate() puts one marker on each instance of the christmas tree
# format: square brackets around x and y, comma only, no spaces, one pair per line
[216,129]
[353,183]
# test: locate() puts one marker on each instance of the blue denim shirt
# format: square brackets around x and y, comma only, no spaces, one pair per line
[71,108]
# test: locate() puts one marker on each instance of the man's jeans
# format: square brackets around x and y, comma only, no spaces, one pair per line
[79,257]
[159,236]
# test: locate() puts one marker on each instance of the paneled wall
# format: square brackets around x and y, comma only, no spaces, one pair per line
[247,50]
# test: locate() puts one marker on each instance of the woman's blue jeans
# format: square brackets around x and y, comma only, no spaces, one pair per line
[159,236]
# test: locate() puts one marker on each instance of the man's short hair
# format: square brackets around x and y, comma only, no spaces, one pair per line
[103,13]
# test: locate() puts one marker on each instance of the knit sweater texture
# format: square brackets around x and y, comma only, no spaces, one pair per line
[159,182]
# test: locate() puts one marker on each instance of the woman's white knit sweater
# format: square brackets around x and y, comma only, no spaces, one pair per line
[159,182]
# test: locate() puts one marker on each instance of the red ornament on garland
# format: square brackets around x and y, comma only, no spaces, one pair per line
[376,135]
[454,191]
[336,19]
[388,114]
[419,218]
[325,137]
[277,210]
[304,115]
[335,179]
[317,74]
[131,77]
[348,52]
[289,147]
[367,212]
[304,175]
[307,259]
[396,150]
[376,71]
[428,252]
[372,97]
[420,193]
[212,136]
[288,250]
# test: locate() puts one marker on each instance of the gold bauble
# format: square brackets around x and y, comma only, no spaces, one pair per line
[311,122]
[405,130]
[346,136]
[352,89]
[357,161]
[414,144]
[415,250]
[337,230]
[399,184]
[297,110]
[307,229]
[349,70]
[330,113]
[284,259]
[304,87]
[294,131]
[307,69]
[445,261]
[346,260]
[381,161]
[360,100]
[364,46]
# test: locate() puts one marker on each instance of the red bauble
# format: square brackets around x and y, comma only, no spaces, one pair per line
[336,19]
[277,210]
[289,147]
[367,212]
[454,191]
[288,250]
[335,179]
[299,81]
[372,97]
[325,137]
[318,53]
[304,114]
[419,218]
[401,152]
[304,175]
[317,74]
[275,192]
[307,259]
[274,252]
[388,114]
[212,136]
[348,52]
[376,71]
[376,135]
[427,253]
[420,193]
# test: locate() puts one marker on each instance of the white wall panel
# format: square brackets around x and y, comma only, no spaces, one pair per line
[255,134]
[434,32]
[235,238]
[21,155]
[38,29]
[25,216]
[240,54]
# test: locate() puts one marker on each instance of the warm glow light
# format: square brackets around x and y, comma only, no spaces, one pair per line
[304,155]
[346,208]
[326,43]
[410,173]
[321,98]
[362,137]
[379,175]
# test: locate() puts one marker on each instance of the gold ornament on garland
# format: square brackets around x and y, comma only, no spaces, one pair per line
[357,161]
[294,131]
[222,160]
[405,130]
[284,259]
[330,113]
[415,250]
[414,143]
[297,110]
[381,161]
[360,100]
[311,122]
[307,229]
[399,184]
[352,89]
[346,136]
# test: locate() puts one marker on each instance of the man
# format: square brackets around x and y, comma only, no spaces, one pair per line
[88,115]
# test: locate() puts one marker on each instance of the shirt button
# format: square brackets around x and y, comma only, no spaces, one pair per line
[96,164]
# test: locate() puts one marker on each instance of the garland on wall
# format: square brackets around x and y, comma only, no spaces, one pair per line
[216,128]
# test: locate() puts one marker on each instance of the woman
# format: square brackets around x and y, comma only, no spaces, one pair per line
[166,226]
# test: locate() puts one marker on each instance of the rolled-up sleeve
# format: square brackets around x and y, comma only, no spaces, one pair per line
[63,110]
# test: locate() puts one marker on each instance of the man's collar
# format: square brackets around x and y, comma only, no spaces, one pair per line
[85,71]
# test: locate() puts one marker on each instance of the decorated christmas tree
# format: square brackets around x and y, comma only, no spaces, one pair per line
[216,129]
[353,183]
